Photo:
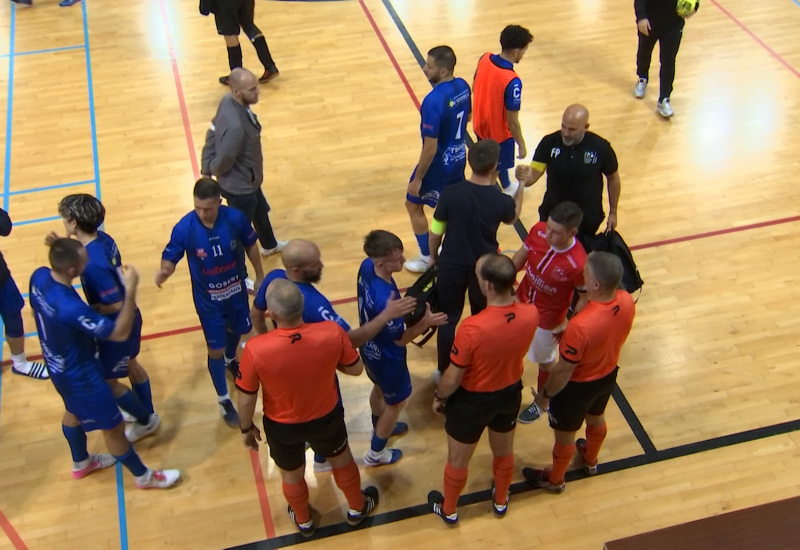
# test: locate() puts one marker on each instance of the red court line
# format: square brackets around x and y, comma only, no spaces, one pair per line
[11,533]
[266,514]
[755,37]
[390,54]
[187,129]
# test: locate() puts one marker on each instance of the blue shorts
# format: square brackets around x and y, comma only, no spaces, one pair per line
[115,356]
[92,403]
[215,326]
[11,304]
[430,190]
[393,380]
[507,150]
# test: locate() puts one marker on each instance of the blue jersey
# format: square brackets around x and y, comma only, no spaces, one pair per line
[445,112]
[373,294]
[316,307]
[217,276]
[68,331]
[513,94]
[102,278]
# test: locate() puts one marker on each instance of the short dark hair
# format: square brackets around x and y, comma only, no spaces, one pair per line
[64,254]
[515,37]
[444,56]
[380,243]
[567,214]
[483,156]
[206,188]
[499,271]
[606,268]
[85,210]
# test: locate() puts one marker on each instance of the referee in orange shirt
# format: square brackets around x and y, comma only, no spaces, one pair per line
[295,366]
[582,381]
[484,386]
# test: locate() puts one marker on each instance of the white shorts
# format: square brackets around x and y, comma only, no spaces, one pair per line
[544,348]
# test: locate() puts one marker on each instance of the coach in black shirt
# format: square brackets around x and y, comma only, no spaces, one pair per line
[468,215]
[576,161]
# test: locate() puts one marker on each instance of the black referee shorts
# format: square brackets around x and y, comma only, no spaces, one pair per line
[569,407]
[327,435]
[232,15]
[469,413]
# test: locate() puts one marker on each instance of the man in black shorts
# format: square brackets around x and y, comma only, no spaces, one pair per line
[483,388]
[295,365]
[233,15]
[467,217]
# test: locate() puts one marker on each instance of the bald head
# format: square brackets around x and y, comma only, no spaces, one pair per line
[285,302]
[244,86]
[574,124]
[303,261]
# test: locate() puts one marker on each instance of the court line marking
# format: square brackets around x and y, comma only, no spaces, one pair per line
[121,510]
[48,50]
[11,533]
[38,220]
[9,107]
[261,489]
[49,187]
[90,88]
[755,37]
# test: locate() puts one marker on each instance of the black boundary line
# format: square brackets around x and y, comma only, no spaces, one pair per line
[651,454]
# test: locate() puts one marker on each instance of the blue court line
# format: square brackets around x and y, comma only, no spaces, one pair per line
[796,2]
[48,50]
[38,220]
[123,524]
[92,120]
[9,105]
[49,187]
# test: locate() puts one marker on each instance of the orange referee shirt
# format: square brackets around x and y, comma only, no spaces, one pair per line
[490,120]
[490,346]
[296,369]
[594,337]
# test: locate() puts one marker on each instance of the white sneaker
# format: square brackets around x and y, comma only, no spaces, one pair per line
[638,90]
[135,431]
[511,190]
[126,416]
[270,251]
[158,479]
[322,467]
[250,285]
[96,462]
[664,108]
[386,456]
[419,264]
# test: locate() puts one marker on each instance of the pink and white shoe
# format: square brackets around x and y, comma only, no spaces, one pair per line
[96,462]
[158,479]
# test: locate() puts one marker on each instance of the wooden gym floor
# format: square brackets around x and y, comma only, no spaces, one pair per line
[114,98]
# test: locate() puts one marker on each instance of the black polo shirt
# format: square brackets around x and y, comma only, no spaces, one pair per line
[473,213]
[575,173]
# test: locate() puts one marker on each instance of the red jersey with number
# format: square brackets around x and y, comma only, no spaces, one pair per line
[594,337]
[550,277]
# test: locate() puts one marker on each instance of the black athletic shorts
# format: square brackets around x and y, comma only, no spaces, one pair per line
[469,413]
[569,407]
[232,15]
[327,435]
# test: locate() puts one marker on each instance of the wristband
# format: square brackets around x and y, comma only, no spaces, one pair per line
[438,397]
[248,430]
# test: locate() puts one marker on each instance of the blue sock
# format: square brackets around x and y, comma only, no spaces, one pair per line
[132,462]
[378,444]
[216,367]
[319,459]
[374,421]
[129,403]
[231,345]
[422,240]
[76,438]
[144,394]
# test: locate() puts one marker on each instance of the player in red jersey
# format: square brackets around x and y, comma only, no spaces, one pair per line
[553,260]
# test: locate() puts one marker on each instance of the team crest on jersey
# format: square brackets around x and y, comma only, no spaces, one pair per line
[590,157]
[559,274]
[554,152]
[201,253]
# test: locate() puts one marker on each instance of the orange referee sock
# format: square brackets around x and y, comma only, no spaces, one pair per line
[595,435]
[541,379]
[297,496]
[503,470]
[562,456]
[455,479]
[349,481]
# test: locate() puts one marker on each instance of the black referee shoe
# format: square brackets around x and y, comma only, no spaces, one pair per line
[306,529]
[435,501]
[355,517]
